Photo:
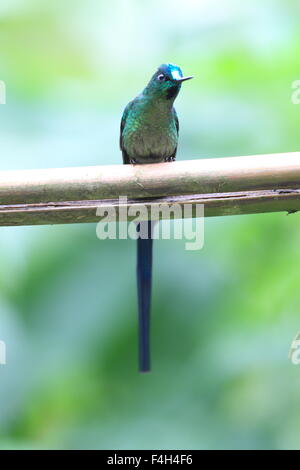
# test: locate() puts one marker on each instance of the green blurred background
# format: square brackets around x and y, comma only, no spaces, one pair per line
[223,317]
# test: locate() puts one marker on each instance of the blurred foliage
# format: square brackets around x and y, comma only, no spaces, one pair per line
[224,317]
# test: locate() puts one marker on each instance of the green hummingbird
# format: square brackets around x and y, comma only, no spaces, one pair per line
[149,134]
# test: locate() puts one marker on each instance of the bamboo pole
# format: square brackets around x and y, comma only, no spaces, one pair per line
[222,204]
[155,180]
[226,186]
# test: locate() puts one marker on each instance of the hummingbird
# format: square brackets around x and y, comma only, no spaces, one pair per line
[149,134]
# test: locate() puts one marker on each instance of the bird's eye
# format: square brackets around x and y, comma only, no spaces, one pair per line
[161,77]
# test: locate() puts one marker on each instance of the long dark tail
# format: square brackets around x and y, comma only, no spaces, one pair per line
[144,281]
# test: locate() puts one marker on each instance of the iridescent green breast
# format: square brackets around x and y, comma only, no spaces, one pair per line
[150,132]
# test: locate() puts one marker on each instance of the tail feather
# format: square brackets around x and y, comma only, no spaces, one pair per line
[144,281]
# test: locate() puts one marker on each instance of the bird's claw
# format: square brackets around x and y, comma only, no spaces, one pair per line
[170,159]
[132,161]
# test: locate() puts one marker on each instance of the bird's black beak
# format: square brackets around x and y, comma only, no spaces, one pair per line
[183,79]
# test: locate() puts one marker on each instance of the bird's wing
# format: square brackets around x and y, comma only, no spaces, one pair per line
[177,127]
[123,121]
[176,120]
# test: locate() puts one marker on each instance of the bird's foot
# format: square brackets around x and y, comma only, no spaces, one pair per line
[132,161]
[170,159]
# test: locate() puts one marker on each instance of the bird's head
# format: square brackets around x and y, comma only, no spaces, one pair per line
[166,82]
